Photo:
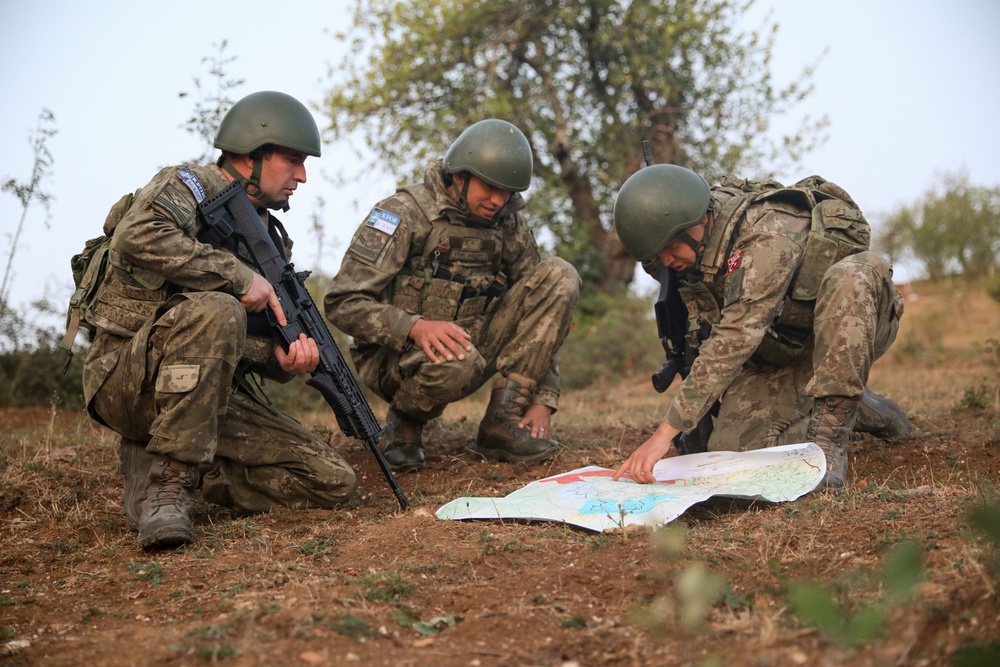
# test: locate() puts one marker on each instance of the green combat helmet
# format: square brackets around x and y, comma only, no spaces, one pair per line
[495,151]
[266,118]
[656,204]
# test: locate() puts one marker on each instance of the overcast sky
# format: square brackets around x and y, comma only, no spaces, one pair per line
[910,86]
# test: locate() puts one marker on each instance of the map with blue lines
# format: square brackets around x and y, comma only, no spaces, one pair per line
[587,497]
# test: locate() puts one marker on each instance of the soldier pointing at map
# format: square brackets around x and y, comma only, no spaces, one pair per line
[798,308]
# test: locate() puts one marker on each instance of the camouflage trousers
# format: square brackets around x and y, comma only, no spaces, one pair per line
[521,335]
[856,319]
[173,386]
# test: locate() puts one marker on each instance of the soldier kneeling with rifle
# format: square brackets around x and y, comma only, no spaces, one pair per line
[185,323]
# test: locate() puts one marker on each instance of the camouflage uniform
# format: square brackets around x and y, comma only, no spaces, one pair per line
[168,367]
[421,255]
[768,376]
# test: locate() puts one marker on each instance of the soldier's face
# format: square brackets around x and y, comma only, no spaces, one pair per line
[484,199]
[677,254]
[281,173]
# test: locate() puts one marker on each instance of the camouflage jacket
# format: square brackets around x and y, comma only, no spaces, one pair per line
[745,273]
[394,241]
[155,253]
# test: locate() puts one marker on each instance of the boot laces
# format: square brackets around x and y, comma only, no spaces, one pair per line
[168,495]
[172,487]
[513,410]
[831,420]
[830,429]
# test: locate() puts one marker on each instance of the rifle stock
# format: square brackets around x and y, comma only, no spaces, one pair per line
[671,325]
[229,218]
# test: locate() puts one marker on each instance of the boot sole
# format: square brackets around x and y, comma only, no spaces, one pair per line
[167,537]
[507,457]
[883,418]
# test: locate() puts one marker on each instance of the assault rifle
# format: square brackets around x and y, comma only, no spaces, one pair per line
[230,221]
[672,327]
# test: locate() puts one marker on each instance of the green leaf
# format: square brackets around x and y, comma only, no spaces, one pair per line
[904,569]
[867,626]
[408,619]
[814,605]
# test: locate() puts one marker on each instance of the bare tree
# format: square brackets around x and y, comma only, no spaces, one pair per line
[28,192]
[211,105]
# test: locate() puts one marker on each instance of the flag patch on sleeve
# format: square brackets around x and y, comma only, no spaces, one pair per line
[733,262]
[384,221]
[374,236]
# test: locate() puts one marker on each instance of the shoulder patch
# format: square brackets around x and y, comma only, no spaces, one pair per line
[374,235]
[384,221]
[191,181]
[733,262]
[175,201]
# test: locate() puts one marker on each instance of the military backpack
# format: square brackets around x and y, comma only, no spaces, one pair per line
[838,229]
[89,267]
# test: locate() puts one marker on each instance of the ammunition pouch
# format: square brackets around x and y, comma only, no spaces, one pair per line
[441,295]
[126,298]
[786,340]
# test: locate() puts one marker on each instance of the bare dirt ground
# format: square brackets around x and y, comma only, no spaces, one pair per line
[370,585]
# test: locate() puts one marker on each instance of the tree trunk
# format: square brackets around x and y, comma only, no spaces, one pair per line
[619,267]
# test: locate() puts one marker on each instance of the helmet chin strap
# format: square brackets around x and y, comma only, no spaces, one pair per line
[698,246]
[462,197]
[688,240]
[252,184]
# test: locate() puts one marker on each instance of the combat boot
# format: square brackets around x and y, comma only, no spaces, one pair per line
[882,417]
[830,428]
[499,437]
[404,445]
[135,463]
[165,520]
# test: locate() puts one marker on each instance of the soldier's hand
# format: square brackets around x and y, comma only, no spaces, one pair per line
[302,356]
[537,418]
[261,295]
[639,466]
[441,338]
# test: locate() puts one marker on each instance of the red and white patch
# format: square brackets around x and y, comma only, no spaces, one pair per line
[733,262]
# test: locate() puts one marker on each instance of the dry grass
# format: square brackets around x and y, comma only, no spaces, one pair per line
[371,585]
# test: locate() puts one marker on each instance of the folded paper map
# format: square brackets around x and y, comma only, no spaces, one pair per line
[587,497]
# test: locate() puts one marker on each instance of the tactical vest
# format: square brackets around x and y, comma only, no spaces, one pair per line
[838,229]
[456,276]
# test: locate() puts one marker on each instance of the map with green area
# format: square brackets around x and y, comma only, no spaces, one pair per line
[587,497]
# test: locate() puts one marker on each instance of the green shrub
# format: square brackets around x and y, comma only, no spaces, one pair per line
[613,337]
[33,368]
[993,288]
